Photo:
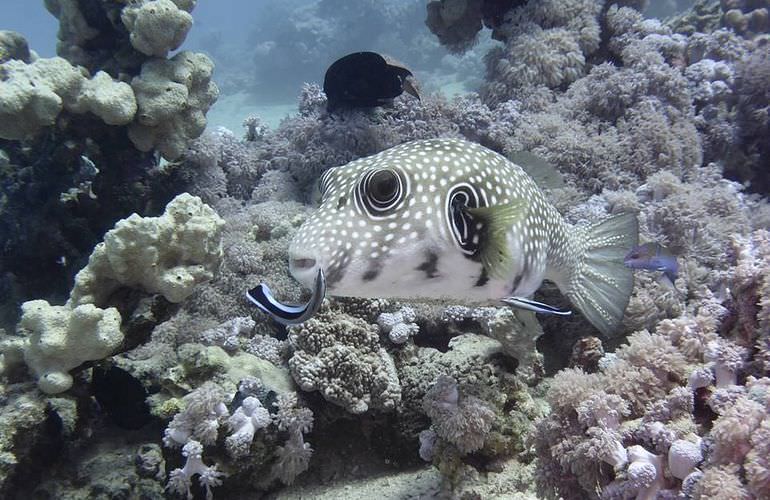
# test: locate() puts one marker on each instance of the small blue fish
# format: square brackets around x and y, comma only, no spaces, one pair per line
[653,256]
[262,297]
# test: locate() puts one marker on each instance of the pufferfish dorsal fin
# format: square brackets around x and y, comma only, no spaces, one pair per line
[497,221]
[545,175]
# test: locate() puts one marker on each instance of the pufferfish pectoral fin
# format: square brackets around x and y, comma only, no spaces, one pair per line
[497,221]
[533,305]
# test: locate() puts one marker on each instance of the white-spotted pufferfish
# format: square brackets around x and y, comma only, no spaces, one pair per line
[450,219]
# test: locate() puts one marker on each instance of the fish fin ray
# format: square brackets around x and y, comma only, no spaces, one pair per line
[545,175]
[495,255]
[600,285]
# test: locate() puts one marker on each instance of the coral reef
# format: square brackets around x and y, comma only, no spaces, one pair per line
[75,170]
[180,480]
[157,27]
[34,94]
[399,325]
[667,120]
[59,338]
[172,98]
[464,422]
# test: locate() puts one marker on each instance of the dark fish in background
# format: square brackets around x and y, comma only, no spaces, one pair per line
[366,80]
[653,256]
[121,396]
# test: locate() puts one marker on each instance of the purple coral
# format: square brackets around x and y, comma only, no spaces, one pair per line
[757,463]
[683,456]
[727,358]
[645,472]
[293,458]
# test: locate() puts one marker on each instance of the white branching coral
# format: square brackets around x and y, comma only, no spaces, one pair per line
[245,421]
[180,480]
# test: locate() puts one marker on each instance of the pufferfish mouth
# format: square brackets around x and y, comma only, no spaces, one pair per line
[303,263]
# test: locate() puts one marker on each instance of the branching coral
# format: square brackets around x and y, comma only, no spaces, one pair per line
[180,480]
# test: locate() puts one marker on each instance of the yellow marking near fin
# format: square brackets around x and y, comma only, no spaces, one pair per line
[498,220]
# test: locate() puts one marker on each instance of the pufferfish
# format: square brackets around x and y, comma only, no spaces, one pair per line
[451,220]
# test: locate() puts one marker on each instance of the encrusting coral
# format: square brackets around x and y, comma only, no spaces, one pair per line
[60,338]
[170,254]
[157,27]
[32,96]
[172,98]
[165,103]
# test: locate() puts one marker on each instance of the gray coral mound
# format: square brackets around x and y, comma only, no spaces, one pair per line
[341,357]
[463,420]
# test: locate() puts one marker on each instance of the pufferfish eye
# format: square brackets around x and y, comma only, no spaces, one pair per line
[381,191]
[383,187]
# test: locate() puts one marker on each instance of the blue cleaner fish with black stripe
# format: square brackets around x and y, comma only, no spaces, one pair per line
[653,256]
[451,220]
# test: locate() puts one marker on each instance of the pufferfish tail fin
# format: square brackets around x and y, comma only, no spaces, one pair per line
[600,285]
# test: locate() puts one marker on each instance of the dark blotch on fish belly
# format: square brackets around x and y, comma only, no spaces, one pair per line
[483,278]
[371,274]
[335,274]
[430,266]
